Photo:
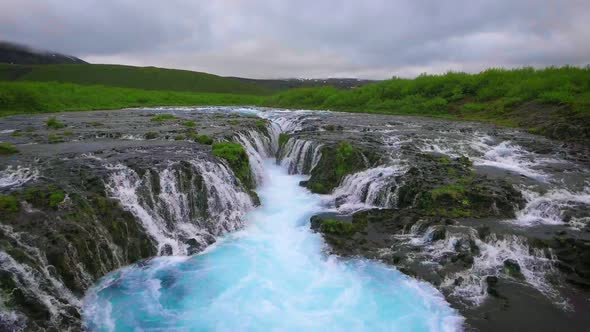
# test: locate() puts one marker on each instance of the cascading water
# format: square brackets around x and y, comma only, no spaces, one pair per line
[300,156]
[183,204]
[271,275]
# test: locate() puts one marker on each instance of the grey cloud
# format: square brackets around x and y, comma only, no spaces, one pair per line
[256,38]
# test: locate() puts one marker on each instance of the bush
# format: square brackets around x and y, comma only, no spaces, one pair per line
[55,198]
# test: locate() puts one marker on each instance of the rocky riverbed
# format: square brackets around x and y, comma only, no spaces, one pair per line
[496,219]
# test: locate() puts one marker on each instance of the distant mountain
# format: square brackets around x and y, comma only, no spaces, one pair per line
[23,55]
[294,83]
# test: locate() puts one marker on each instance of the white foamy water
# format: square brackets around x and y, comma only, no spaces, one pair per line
[173,216]
[272,275]
[549,208]
[17,176]
[374,187]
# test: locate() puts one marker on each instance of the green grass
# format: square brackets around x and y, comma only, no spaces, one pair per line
[145,78]
[7,149]
[40,97]
[504,97]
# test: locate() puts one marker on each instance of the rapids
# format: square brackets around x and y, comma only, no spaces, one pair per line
[272,275]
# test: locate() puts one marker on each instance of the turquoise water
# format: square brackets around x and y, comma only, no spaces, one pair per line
[271,276]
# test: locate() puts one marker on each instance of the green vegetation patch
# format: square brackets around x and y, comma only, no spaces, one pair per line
[237,158]
[44,197]
[7,149]
[283,139]
[162,118]
[54,123]
[189,124]
[526,97]
[337,227]
[204,139]
[9,203]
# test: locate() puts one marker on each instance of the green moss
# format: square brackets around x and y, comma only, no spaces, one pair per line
[54,123]
[52,139]
[9,203]
[7,149]
[337,227]
[234,122]
[237,158]
[261,124]
[344,155]
[55,198]
[179,137]
[318,188]
[283,139]
[455,191]
[151,135]
[189,123]
[162,118]
[16,133]
[68,133]
[204,139]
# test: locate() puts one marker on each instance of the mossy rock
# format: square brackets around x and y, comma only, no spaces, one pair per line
[237,159]
[336,162]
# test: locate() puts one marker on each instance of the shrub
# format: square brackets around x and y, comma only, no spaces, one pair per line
[179,137]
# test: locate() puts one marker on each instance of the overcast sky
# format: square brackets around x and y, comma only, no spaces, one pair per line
[307,38]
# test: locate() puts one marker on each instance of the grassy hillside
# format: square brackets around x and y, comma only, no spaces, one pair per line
[146,78]
[554,102]
[41,97]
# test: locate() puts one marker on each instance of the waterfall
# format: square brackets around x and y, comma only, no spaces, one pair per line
[38,285]
[300,156]
[258,146]
[374,187]
[184,206]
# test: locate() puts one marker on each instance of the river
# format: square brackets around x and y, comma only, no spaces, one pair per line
[272,275]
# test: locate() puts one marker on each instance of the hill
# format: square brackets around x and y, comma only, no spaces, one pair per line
[145,78]
[19,54]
